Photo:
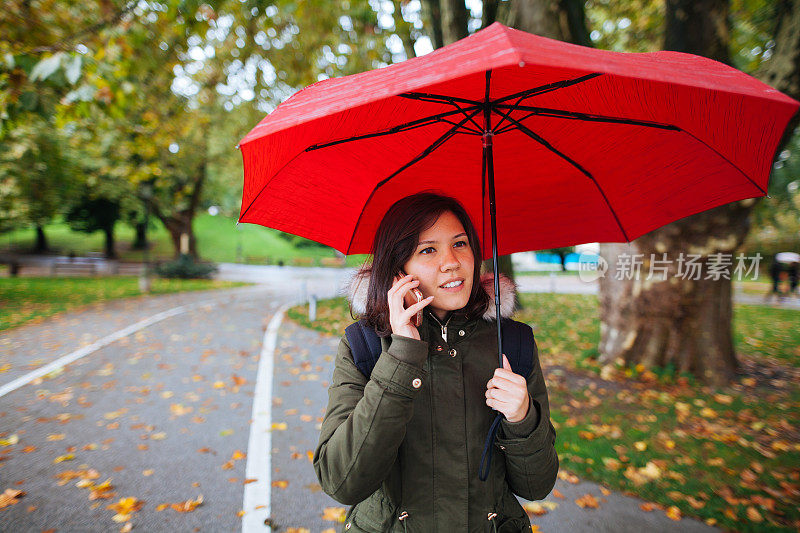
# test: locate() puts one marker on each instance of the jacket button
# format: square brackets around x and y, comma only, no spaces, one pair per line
[417,383]
[453,352]
[502,447]
[439,348]
[461,332]
[347,526]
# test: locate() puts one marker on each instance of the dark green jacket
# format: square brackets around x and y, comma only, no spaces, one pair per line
[403,448]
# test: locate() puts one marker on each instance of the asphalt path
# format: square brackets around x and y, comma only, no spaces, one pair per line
[174,409]
[163,412]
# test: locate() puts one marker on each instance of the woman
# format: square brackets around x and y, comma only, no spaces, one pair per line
[403,447]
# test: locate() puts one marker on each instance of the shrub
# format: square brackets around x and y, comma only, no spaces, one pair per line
[187,268]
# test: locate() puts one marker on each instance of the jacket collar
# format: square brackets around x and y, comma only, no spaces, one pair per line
[356,292]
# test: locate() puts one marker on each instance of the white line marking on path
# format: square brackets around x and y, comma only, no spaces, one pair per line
[105,341]
[259,446]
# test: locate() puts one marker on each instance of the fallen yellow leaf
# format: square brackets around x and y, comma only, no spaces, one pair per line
[673,513]
[10,497]
[587,500]
[188,505]
[334,514]
[753,515]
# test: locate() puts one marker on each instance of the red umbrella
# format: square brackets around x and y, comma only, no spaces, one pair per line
[587,145]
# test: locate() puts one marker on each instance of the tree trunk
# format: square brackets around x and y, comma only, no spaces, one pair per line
[432,19]
[180,222]
[489,14]
[177,226]
[679,321]
[548,18]
[454,20]
[669,318]
[111,253]
[41,241]
[140,242]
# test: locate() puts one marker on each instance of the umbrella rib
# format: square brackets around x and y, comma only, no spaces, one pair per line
[527,93]
[436,144]
[439,98]
[443,99]
[589,117]
[535,91]
[418,123]
[480,129]
[743,173]
[426,152]
[469,131]
[572,162]
[267,183]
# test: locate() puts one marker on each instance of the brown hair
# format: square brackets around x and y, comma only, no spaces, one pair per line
[394,244]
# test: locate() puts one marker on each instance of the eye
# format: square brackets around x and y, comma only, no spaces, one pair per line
[465,243]
[428,248]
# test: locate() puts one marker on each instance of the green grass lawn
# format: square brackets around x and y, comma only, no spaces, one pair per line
[728,456]
[217,239]
[24,300]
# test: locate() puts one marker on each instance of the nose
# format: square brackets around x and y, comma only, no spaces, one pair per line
[450,261]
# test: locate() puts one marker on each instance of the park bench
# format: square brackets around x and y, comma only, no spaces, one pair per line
[303,261]
[74,267]
[128,269]
[332,261]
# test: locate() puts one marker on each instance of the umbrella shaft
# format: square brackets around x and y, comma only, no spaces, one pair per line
[489,168]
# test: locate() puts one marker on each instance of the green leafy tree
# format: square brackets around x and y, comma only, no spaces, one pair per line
[95,214]
[39,170]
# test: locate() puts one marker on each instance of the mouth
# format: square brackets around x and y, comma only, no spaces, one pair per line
[454,285]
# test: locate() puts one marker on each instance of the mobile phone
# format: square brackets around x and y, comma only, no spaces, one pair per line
[411,297]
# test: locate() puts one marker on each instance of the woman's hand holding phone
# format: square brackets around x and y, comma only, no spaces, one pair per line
[401,318]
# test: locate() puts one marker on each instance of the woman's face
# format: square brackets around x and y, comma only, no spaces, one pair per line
[443,255]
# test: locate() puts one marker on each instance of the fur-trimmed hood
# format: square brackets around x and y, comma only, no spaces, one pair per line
[356,292]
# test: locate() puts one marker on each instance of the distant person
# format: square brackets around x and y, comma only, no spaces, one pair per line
[784,267]
[775,270]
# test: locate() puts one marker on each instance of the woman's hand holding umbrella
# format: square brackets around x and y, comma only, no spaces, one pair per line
[507,392]
[399,315]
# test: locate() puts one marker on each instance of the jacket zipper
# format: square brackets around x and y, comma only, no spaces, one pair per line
[443,326]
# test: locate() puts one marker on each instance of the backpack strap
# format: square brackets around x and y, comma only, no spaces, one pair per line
[365,345]
[519,346]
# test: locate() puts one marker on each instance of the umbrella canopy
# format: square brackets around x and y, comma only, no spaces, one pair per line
[588,145]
